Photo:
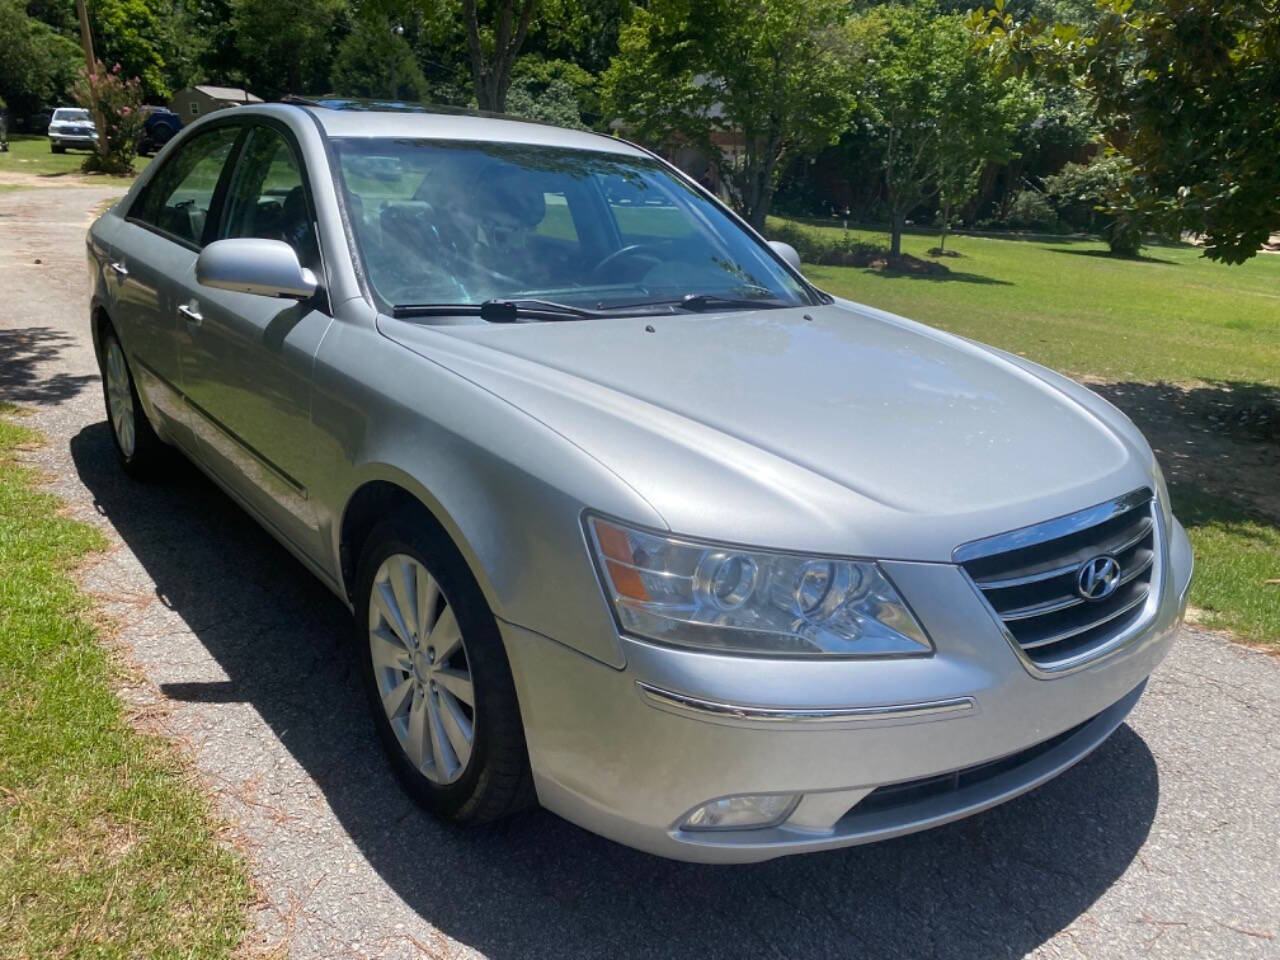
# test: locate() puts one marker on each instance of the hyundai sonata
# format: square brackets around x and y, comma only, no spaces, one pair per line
[635,521]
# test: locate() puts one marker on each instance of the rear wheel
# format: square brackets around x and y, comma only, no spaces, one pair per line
[437,676]
[137,447]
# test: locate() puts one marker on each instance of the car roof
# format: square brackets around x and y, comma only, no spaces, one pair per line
[356,118]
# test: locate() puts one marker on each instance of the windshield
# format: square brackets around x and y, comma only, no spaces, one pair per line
[462,223]
[70,114]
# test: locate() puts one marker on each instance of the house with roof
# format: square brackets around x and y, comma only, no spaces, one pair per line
[194,102]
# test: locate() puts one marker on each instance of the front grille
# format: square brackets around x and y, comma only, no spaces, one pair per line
[1030,578]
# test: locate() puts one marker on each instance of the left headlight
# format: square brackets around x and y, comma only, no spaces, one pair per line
[727,599]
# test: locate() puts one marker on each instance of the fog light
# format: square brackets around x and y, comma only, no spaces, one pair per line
[742,813]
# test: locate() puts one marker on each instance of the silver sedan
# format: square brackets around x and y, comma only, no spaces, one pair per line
[635,522]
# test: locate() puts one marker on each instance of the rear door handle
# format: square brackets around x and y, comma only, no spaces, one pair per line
[191,314]
[121,270]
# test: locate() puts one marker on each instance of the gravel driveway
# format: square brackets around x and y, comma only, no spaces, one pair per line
[1163,843]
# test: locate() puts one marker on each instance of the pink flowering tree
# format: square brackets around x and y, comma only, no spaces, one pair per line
[118,102]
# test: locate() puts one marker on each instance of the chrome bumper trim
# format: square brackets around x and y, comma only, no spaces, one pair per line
[729,713]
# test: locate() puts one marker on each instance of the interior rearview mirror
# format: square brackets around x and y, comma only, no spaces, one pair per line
[268,268]
[787,252]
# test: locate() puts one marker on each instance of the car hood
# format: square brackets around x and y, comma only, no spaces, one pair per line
[834,426]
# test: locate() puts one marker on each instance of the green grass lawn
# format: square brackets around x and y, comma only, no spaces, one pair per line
[107,849]
[1237,553]
[1171,316]
[30,153]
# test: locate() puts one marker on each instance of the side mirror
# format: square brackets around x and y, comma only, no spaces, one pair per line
[268,268]
[787,252]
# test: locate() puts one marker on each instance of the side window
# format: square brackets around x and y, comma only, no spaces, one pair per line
[177,201]
[267,199]
[557,222]
[644,215]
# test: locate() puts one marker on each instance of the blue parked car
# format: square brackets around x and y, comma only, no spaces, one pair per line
[157,129]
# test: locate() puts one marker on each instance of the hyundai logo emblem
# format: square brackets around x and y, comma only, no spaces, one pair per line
[1098,578]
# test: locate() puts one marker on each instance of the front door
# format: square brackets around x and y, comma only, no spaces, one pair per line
[154,254]
[247,359]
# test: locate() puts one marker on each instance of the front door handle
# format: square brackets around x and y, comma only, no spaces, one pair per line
[191,314]
[121,270]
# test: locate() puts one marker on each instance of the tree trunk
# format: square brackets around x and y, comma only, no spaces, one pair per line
[492,78]
[895,241]
[946,227]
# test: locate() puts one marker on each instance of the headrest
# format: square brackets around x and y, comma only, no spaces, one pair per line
[509,197]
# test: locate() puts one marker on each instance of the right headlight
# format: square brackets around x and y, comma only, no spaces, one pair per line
[727,599]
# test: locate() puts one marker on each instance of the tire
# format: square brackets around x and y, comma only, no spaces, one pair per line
[58,147]
[465,782]
[138,449]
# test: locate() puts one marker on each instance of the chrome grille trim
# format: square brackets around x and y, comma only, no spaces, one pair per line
[1051,529]
[1068,634]
[1052,628]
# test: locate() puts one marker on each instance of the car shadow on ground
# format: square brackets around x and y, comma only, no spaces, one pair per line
[997,884]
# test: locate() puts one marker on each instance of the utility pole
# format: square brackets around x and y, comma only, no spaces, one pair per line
[91,65]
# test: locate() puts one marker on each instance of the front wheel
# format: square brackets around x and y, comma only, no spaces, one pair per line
[437,676]
[58,148]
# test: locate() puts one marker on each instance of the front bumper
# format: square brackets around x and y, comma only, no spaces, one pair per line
[69,140]
[629,753]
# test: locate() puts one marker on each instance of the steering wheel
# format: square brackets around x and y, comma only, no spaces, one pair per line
[641,251]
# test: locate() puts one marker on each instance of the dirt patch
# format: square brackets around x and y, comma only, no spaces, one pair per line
[18,178]
[1221,437]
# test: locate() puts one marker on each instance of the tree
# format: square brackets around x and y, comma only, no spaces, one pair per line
[36,64]
[582,32]
[374,61]
[134,34]
[553,91]
[493,49]
[751,83]
[1187,91]
[979,127]
[938,110]
[285,46]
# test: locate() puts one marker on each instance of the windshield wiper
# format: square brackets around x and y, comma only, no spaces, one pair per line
[705,301]
[498,311]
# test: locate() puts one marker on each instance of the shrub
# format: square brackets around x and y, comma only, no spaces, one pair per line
[119,102]
[1031,210]
[1124,234]
[841,250]
[1097,197]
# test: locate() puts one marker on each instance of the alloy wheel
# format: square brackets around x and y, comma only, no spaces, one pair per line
[421,669]
[120,398]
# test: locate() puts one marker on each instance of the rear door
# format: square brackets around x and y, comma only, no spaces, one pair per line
[154,257]
[247,361]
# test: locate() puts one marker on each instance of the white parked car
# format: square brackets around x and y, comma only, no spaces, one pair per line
[72,127]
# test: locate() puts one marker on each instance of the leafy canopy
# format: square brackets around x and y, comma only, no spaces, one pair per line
[937,110]
[775,73]
[374,61]
[1188,91]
